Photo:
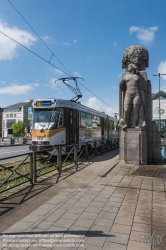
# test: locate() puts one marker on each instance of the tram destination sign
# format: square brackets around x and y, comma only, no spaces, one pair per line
[43,103]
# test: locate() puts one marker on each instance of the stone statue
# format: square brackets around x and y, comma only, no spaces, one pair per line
[140,141]
[132,96]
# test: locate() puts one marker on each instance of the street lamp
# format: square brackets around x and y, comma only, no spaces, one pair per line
[159,74]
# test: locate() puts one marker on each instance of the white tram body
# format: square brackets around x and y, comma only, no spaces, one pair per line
[60,122]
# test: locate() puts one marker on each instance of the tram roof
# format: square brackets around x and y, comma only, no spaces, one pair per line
[75,105]
[79,106]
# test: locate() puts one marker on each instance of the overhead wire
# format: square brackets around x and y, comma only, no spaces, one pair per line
[96,95]
[33,52]
[52,54]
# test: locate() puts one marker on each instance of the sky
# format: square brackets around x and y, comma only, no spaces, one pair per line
[87,39]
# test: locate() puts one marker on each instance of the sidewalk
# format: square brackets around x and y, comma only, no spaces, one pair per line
[106,205]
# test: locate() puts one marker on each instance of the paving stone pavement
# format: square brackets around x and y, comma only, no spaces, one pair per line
[112,210]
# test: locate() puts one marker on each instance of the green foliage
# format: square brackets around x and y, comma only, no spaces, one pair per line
[110,125]
[18,129]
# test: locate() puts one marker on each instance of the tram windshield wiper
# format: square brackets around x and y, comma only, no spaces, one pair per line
[52,118]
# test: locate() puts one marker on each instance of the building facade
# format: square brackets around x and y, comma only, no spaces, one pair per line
[159,114]
[14,113]
[1,111]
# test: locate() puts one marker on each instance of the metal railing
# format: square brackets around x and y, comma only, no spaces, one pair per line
[4,141]
[38,163]
[16,173]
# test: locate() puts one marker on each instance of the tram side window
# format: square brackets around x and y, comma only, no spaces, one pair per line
[96,123]
[83,123]
[86,120]
[61,118]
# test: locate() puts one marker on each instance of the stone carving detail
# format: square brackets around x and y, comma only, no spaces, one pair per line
[132,88]
[135,54]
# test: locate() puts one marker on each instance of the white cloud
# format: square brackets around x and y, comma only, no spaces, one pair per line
[48,39]
[58,71]
[16,89]
[145,36]
[110,111]
[65,43]
[77,74]
[7,46]
[56,84]
[162,69]
[36,84]
[94,103]
[68,44]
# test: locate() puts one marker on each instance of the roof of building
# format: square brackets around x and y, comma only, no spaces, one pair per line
[161,94]
[17,105]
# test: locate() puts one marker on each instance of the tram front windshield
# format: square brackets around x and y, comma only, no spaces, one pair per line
[45,118]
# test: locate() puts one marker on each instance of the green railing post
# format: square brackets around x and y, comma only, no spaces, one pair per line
[75,157]
[59,159]
[95,148]
[111,144]
[31,168]
[86,150]
[107,145]
[34,167]
[102,146]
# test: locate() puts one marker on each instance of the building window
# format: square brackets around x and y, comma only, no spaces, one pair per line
[3,124]
[11,115]
[9,122]
[15,115]
[7,110]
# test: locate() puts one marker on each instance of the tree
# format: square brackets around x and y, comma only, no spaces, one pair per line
[18,129]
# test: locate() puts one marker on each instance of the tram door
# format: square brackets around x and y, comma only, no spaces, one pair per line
[72,127]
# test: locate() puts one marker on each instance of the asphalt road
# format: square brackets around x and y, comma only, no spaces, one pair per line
[13,151]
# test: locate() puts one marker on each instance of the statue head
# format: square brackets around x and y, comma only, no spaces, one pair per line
[137,55]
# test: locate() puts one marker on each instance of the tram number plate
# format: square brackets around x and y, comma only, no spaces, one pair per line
[38,103]
[38,148]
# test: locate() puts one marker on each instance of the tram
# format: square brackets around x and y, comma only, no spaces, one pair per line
[59,122]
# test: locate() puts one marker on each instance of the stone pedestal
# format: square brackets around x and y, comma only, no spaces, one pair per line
[133,146]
